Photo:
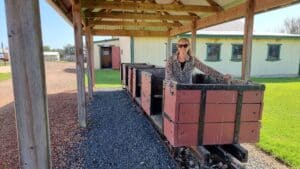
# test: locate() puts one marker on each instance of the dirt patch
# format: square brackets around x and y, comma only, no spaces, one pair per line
[62,108]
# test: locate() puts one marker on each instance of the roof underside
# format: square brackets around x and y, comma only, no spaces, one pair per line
[158,17]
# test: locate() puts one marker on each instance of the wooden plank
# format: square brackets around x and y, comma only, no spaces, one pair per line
[120,32]
[137,24]
[194,38]
[247,45]
[81,106]
[28,73]
[147,6]
[233,13]
[89,43]
[169,48]
[127,15]
[92,62]
[215,4]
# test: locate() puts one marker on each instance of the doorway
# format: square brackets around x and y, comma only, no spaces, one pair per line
[106,57]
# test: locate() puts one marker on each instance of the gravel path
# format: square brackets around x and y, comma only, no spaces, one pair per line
[118,136]
[258,159]
[64,127]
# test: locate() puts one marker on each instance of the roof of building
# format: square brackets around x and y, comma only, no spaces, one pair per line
[51,53]
[236,29]
[240,34]
[106,40]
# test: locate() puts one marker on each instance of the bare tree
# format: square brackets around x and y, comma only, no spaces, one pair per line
[291,25]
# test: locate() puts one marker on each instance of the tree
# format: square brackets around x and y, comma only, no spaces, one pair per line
[291,25]
[69,49]
[46,48]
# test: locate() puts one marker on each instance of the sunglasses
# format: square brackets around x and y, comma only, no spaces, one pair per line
[182,45]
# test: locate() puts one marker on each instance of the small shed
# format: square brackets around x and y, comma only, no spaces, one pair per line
[51,56]
[107,54]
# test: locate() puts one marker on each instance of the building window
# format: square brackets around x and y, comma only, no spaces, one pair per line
[237,52]
[174,48]
[213,52]
[273,52]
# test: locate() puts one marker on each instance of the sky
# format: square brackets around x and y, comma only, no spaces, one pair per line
[57,33]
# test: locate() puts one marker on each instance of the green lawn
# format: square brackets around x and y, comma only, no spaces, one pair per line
[4,76]
[107,79]
[280,133]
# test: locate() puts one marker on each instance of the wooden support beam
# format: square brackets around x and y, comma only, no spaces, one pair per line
[233,13]
[89,44]
[194,38]
[28,73]
[169,47]
[137,24]
[121,15]
[215,4]
[120,32]
[147,6]
[81,106]
[247,45]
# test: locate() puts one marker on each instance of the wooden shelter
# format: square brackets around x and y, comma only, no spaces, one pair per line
[103,17]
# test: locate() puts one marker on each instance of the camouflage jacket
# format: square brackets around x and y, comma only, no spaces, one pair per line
[174,71]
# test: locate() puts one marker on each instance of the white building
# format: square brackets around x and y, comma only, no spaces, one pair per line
[51,56]
[273,54]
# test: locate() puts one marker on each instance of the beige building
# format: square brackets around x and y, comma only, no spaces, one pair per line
[273,54]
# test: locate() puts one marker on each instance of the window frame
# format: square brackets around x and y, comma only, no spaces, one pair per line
[219,54]
[172,48]
[272,59]
[235,59]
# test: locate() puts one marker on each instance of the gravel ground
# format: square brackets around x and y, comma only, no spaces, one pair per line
[62,117]
[258,159]
[118,136]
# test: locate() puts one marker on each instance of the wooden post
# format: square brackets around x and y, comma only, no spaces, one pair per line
[79,65]
[131,49]
[28,72]
[92,61]
[89,43]
[247,46]
[169,50]
[194,38]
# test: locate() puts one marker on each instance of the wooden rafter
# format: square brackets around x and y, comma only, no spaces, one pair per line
[175,21]
[147,6]
[180,3]
[141,24]
[220,15]
[120,15]
[121,32]
[215,4]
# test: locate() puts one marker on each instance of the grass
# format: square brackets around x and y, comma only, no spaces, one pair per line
[4,76]
[107,79]
[280,133]
[4,63]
